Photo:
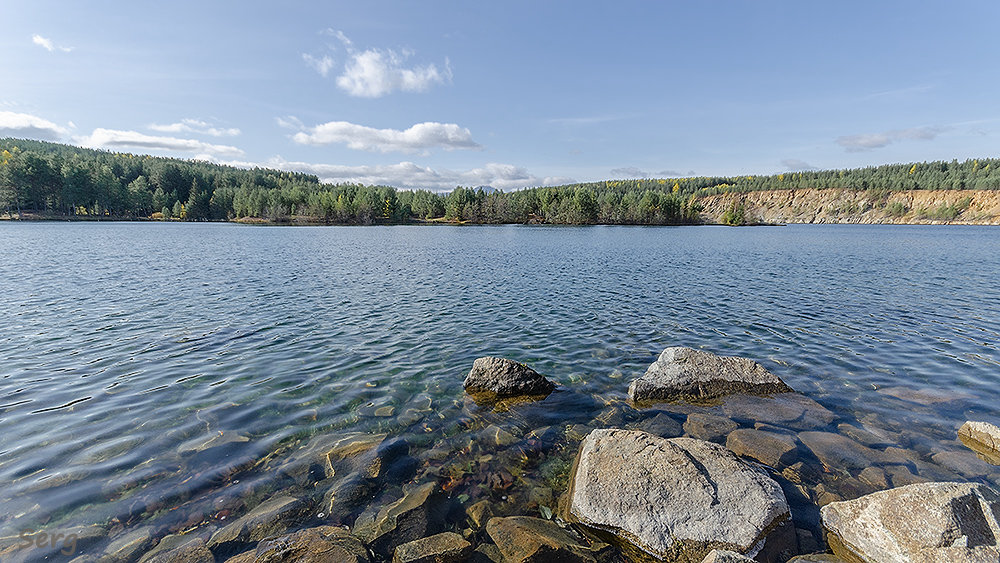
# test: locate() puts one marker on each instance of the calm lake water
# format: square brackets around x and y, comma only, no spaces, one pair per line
[156,374]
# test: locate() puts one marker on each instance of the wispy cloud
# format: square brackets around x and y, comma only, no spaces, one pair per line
[197,126]
[588,119]
[127,140]
[322,65]
[869,141]
[419,137]
[629,172]
[374,72]
[796,165]
[48,45]
[29,126]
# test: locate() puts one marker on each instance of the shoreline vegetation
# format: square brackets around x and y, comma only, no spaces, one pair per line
[49,181]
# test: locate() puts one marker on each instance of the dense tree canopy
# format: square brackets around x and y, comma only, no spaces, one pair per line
[61,180]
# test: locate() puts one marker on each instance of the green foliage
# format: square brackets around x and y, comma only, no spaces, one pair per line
[896,209]
[735,214]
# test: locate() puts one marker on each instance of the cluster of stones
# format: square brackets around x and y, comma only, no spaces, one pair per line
[713,496]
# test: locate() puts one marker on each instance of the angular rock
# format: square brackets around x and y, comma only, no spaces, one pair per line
[708,427]
[446,547]
[419,513]
[505,378]
[816,558]
[921,522]
[677,499]
[312,545]
[982,438]
[723,556]
[686,374]
[479,513]
[179,549]
[267,519]
[776,450]
[532,540]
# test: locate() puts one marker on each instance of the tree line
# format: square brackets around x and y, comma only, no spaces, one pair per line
[55,180]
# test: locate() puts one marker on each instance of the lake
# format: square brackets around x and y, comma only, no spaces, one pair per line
[157,375]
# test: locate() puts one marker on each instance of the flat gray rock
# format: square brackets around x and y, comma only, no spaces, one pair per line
[505,378]
[687,374]
[677,499]
[920,522]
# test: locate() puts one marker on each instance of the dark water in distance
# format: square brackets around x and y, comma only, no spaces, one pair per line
[126,347]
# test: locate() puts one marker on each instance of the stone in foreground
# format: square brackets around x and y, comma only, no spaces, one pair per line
[920,522]
[446,547]
[982,438]
[532,540]
[677,499]
[505,378]
[686,374]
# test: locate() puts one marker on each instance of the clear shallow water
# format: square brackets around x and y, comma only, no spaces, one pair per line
[126,348]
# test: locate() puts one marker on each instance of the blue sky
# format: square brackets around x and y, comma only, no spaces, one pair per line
[510,94]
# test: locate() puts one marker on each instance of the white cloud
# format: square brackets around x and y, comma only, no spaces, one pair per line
[195,126]
[119,140]
[48,45]
[323,64]
[373,73]
[868,141]
[419,137]
[29,126]
[411,175]
[796,165]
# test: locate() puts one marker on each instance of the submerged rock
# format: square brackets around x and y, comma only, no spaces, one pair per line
[312,545]
[532,540]
[446,547]
[677,499]
[176,548]
[686,374]
[502,378]
[709,427]
[983,438]
[268,518]
[840,452]
[419,513]
[921,522]
[318,458]
[789,410]
[768,448]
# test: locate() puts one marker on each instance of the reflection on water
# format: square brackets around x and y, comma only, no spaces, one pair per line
[164,375]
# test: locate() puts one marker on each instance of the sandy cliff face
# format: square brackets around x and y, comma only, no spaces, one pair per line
[860,206]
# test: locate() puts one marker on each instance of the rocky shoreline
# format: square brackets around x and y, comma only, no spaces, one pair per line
[711,459]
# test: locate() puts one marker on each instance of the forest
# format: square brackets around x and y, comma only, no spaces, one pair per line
[49,180]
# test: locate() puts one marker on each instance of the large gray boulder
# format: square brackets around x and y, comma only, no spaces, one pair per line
[677,499]
[983,438]
[502,378]
[686,374]
[921,522]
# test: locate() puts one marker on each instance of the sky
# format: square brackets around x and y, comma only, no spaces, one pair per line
[509,94]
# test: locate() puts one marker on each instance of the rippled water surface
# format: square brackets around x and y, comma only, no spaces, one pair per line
[156,374]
